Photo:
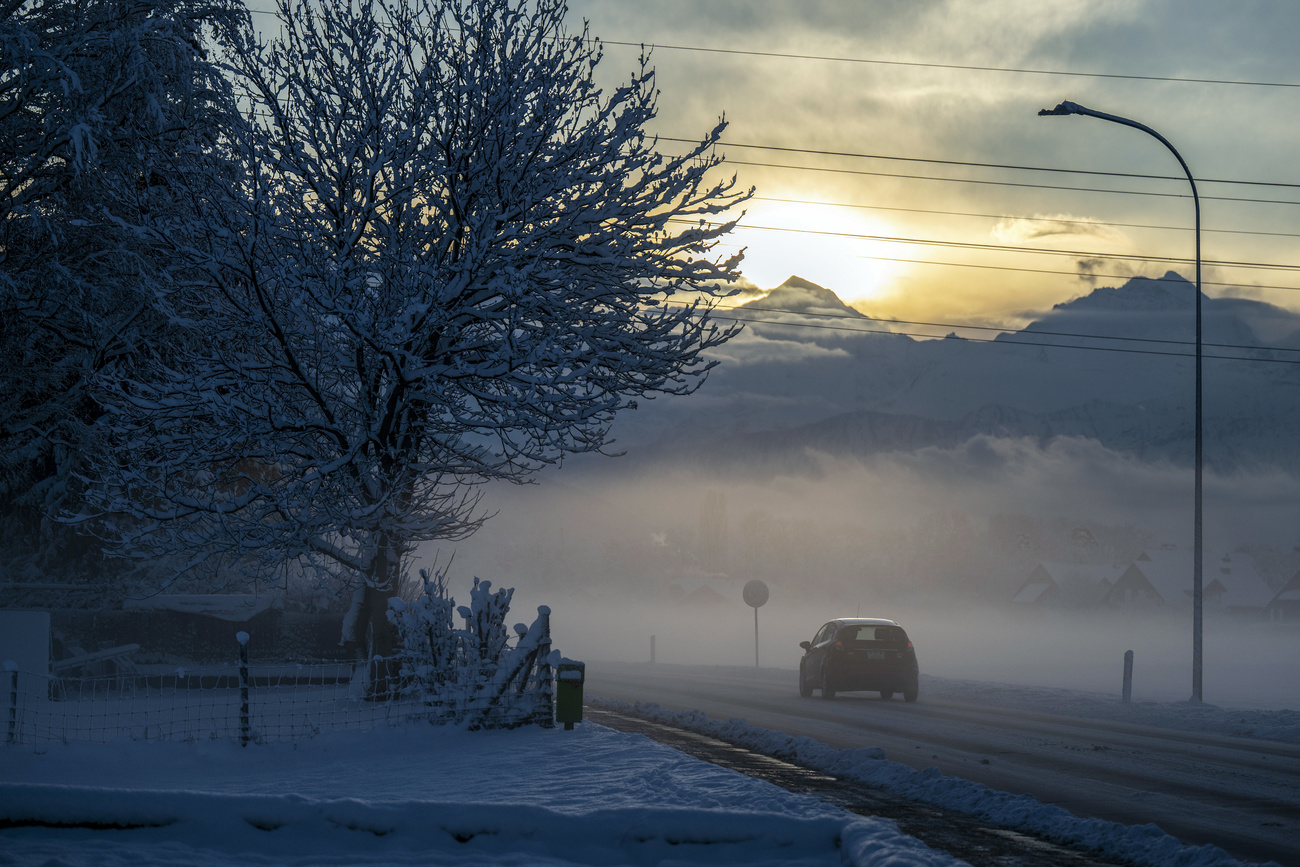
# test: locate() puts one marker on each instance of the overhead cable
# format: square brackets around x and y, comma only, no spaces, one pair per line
[978,165]
[954,66]
[1066,220]
[1008,342]
[917,63]
[1007,248]
[1020,184]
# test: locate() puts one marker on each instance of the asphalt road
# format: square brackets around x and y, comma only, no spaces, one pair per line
[1240,794]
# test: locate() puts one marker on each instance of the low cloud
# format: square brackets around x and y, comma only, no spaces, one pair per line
[970,520]
[1113,271]
[1027,230]
[749,347]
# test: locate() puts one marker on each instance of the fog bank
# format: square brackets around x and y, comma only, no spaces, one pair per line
[940,540]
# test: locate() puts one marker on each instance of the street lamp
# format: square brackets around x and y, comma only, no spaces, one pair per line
[1066,108]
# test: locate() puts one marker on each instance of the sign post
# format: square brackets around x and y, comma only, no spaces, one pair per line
[755,594]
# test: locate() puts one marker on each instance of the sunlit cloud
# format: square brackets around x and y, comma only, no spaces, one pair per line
[832,246]
[1011,29]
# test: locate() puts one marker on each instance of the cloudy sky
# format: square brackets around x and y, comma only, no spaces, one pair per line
[892,119]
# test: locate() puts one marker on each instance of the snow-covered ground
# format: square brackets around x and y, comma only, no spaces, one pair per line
[418,794]
[443,795]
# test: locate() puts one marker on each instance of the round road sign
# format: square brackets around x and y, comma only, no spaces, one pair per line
[755,593]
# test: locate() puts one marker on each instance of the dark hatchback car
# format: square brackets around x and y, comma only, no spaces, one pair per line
[859,653]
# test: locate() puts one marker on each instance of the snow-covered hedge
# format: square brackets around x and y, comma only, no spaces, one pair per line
[474,676]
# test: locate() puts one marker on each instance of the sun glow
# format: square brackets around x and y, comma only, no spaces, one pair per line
[831,245]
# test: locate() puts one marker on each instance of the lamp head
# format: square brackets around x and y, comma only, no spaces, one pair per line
[1062,109]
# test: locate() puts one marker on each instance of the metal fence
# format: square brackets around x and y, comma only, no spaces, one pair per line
[269,703]
[253,703]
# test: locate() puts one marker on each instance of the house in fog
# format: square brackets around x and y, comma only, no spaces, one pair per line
[694,593]
[1155,579]
[1244,589]
[1053,584]
[1285,605]
[1163,579]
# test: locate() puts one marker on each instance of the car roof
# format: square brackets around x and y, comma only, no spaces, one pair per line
[864,621]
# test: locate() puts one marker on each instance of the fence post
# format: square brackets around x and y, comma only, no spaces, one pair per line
[545,676]
[1128,676]
[242,638]
[12,668]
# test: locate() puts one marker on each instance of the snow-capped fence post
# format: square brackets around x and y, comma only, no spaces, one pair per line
[244,734]
[529,663]
[545,715]
[472,676]
[12,668]
[1128,676]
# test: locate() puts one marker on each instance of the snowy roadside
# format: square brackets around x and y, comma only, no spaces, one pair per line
[1275,725]
[419,794]
[1144,845]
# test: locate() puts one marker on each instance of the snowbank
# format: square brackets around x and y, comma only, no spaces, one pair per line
[420,794]
[307,830]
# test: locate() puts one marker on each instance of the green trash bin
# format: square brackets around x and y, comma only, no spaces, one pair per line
[569,677]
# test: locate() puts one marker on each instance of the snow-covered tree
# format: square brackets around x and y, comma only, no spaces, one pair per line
[449,257]
[98,100]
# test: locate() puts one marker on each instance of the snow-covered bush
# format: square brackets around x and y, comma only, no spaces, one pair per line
[485,623]
[472,675]
[427,634]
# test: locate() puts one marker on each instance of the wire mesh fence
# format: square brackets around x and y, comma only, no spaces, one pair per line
[252,703]
[272,703]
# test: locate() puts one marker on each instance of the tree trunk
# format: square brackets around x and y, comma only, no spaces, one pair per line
[382,585]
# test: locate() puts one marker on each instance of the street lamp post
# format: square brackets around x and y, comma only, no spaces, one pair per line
[1066,108]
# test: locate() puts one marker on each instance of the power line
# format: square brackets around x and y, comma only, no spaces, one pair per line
[1048,271]
[820,326]
[1005,248]
[970,327]
[731,162]
[915,63]
[959,162]
[1027,219]
[964,163]
[1012,268]
[958,67]
[1008,342]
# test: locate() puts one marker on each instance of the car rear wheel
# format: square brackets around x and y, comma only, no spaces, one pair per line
[827,692]
[805,688]
[911,691]
[886,694]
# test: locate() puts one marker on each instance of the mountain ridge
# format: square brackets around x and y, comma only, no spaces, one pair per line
[1112,366]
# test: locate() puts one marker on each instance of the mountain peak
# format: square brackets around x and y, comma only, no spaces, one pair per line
[794,281]
[797,295]
[1170,292]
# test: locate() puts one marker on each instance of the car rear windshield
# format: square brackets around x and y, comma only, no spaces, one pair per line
[890,636]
